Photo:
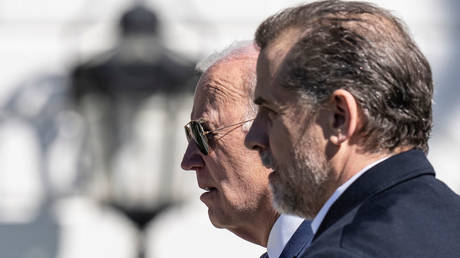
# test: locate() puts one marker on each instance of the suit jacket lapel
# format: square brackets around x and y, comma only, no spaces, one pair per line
[301,237]
[392,171]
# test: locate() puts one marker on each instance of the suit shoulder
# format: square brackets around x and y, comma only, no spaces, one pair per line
[416,218]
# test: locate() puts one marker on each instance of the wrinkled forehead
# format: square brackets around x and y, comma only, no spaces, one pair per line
[220,90]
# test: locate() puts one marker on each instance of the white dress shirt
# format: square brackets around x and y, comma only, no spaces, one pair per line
[283,229]
[322,213]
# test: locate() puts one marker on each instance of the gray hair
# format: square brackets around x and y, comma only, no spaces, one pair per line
[238,49]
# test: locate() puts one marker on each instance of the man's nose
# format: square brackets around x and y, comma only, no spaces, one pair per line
[256,138]
[192,158]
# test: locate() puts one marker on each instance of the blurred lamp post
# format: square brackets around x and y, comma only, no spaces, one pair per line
[129,98]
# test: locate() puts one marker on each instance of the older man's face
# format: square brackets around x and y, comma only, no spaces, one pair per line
[288,137]
[233,178]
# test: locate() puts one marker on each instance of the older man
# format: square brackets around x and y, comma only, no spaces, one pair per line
[344,118]
[234,180]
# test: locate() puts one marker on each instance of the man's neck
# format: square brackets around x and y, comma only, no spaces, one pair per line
[339,191]
[354,160]
[258,230]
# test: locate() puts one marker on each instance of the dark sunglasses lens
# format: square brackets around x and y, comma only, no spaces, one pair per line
[187,133]
[199,137]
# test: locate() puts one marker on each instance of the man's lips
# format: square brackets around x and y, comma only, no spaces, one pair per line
[209,188]
[205,185]
[208,195]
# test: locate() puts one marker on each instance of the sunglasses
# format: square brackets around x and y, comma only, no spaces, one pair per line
[194,131]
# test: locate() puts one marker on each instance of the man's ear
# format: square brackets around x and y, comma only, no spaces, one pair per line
[344,116]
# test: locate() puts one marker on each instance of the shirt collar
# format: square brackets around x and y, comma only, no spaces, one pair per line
[322,213]
[283,229]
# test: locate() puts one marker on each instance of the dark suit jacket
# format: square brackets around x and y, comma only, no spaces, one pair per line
[396,209]
[301,237]
[299,240]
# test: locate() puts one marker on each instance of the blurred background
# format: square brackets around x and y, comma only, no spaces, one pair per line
[93,98]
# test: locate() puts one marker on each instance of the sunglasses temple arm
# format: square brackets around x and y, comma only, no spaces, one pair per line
[222,128]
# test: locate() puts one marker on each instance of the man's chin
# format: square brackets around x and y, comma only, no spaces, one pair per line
[215,217]
[278,191]
[284,199]
[277,184]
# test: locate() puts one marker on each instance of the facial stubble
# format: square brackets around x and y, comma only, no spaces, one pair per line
[300,186]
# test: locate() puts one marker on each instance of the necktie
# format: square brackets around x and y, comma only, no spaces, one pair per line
[265,255]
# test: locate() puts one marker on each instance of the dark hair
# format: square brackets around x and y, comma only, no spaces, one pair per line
[365,50]
[299,16]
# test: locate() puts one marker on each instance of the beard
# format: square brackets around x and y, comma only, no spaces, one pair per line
[301,186]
